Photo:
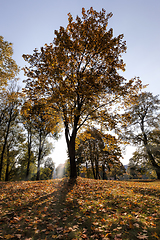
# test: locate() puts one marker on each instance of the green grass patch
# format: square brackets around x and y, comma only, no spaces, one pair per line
[83,209]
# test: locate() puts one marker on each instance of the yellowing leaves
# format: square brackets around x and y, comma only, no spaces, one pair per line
[8,236]
[89,209]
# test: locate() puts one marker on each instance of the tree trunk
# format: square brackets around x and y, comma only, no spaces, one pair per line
[7,173]
[150,155]
[91,159]
[38,166]
[87,170]
[158,174]
[97,168]
[92,164]
[4,146]
[29,155]
[7,169]
[39,158]
[71,149]
[153,162]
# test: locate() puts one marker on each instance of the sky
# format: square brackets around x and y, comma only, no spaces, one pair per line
[29,24]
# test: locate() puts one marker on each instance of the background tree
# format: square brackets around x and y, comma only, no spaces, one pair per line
[100,152]
[27,121]
[78,75]
[37,119]
[49,164]
[11,100]
[112,166]
[144,127]
[139,166]
[15,142]
[22,162]
[90,150]
[8,67]
[154,142]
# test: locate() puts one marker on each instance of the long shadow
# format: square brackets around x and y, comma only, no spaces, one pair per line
[62,188]
[58,216]
[70,218]
[45,208]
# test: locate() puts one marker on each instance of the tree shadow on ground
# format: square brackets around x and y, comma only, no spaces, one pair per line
[76,211]
[28,219]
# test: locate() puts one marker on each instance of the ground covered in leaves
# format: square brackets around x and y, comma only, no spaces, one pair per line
[83,209]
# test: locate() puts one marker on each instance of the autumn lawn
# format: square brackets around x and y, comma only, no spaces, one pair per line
[84,209]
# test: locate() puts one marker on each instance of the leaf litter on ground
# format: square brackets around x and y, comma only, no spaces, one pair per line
[82,209]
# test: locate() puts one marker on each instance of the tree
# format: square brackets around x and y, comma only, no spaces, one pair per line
[38,120]
[22,164]
[78,75]
[139,166]
[154,142]
[90,150]
[100,151]
[44,148]
[13,149]
[49,164]
[11,101]
[144,123]
[8,67]
[28,125]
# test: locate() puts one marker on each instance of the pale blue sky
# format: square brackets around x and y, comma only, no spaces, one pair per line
[29,24]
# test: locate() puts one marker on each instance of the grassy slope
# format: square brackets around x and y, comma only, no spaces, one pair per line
[85,209]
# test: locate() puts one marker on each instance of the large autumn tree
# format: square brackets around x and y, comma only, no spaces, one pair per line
[79,74]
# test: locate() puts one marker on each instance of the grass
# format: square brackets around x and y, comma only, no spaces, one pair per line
[83,209]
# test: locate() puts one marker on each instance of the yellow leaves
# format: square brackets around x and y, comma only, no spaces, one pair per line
[155,235]
[8,236]
[75,72]
[84,136]
[90,196]
[8,66]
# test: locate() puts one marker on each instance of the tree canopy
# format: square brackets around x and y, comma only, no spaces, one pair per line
[8,67]
[79,75]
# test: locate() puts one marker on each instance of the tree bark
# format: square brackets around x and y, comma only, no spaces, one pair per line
[4,146]
[71,149]
[150,155]
[38,166]
[92,164]
[39,158]
[7,169]
[91,159]
[29,155]
[153,162]
[97,168]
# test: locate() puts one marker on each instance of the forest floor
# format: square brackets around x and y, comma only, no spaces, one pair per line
[82,209]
